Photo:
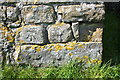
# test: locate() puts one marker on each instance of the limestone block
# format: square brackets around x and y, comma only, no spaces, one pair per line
[59,32]
[82,12]
[91,32]
[38,13]
[58,54]
[36,34]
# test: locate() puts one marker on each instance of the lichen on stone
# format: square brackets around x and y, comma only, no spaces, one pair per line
[58,47]
[38,49]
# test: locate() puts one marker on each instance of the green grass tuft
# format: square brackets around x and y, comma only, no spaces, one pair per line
[71,70]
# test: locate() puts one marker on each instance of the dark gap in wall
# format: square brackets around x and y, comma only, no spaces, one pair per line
[13,4]
[111,33]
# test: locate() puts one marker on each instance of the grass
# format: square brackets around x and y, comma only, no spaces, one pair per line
[71,70]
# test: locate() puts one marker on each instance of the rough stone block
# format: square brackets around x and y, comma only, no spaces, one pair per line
[36,34]
[91,32]
[76,30]
[57,54]
[60,32]
[82,12]
[6,40]
[1,43]
[35,14]
[12,14]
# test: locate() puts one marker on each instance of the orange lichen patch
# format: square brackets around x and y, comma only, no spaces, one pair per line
[99,61]
[7,33]
[34,46]
[72,44]
[57,24]
[42,47]
[21,41]
[50,49]
[70,54]
[38,49]
[93,60]
[34,6]
[80,45]
[86,57]
[10,38]
[69,48]
[58,47]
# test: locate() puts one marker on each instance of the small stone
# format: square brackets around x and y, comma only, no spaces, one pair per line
[12,14]
[59,32]
[87,30]
[97,35]
[76,30]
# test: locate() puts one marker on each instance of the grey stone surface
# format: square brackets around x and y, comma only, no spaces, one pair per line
[1,43]
[76,30]
[12,14]
[2,13]
[38,13]
[82,12]
[36,34]
[6,43]
[57,54]
[60,32]
[29,24]
[48,1]
[87,30]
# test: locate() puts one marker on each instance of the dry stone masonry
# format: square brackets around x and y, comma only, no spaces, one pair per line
[47,32]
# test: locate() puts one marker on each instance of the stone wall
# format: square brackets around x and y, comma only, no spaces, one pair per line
[50,33]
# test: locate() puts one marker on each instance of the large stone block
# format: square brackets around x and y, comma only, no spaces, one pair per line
[38,13]
[60,32]
[36,34]
[82,12]
[57,54]
[91,32]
